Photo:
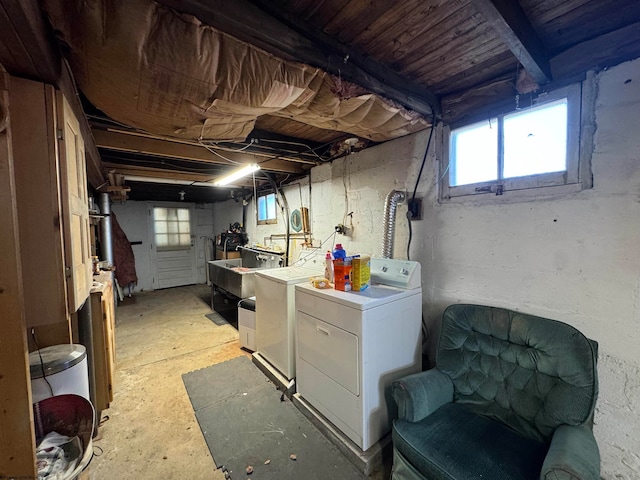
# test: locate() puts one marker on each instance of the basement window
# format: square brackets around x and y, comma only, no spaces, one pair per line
[267,209]
[537,147]
[172,227]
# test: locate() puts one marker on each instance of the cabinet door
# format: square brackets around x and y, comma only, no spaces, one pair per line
[17,441]
[33,128]
[75,208]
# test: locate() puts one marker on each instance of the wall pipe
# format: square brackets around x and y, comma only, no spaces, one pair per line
[390,206]
[106,245]
[85,337]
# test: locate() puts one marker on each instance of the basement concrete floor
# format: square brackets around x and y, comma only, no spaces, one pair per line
[151,431]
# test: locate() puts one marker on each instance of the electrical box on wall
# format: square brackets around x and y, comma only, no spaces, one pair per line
[415,209]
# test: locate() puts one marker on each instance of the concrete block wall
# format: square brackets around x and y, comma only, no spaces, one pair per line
[572,258]
[364,179]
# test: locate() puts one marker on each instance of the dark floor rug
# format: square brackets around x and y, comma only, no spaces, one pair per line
[245,423]
[216,318]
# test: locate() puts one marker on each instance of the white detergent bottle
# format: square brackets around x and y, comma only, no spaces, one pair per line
[328,267]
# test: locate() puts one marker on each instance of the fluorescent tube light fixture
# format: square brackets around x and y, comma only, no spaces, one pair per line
[236,174]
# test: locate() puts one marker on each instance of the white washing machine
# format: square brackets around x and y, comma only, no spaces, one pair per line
[351,345]
[275,309]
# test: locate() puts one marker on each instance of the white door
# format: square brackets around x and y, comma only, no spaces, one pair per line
[172,245]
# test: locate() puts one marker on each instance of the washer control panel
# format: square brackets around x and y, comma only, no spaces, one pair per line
[404,274]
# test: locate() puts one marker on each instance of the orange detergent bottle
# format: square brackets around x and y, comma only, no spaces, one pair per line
[342,274]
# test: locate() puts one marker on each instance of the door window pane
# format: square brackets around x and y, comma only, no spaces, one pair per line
[172,228]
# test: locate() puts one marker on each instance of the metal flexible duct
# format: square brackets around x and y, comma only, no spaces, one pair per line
[390,206]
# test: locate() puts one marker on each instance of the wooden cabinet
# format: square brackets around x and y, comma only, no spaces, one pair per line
[54,229]
[103,326]
[53,216]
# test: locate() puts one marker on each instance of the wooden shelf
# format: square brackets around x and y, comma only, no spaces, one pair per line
[103,325]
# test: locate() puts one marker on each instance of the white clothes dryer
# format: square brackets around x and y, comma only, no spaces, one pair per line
[352,345]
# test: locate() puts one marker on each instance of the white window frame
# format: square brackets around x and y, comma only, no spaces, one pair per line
[269,220]
[577,175]
[172,247]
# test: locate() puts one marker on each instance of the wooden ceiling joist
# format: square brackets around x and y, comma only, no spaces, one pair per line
[599,52]
[263,143]
[512,25]
[298,40]
[151,172]
[169,149]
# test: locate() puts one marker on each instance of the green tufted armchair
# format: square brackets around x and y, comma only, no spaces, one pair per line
[512,397]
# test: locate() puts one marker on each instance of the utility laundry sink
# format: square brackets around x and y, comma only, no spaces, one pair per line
[236,276]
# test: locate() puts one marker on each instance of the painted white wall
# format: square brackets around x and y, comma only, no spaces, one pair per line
[134,219]
[363,178]
[230,211]
[225,214]
[573,258]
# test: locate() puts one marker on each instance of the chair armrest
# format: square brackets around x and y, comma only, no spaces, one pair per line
[573,455]
[421,394]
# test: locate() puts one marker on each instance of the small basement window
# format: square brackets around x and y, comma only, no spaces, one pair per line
[529,148]
[267,209]
[172,227]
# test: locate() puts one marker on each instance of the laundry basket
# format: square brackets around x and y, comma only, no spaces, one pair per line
[69,415]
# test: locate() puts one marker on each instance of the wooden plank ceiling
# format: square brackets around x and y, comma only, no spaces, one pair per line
[448,60]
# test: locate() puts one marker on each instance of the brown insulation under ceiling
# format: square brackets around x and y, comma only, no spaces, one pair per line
[166,73]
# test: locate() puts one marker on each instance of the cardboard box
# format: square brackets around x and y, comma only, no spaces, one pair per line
[360,273]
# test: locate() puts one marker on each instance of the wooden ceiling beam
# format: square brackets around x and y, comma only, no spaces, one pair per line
[497,95]
[512,25]
[154,172]
[170,175]
[295,39]
[288,145]
[164,148]
[599,52]
[285,147]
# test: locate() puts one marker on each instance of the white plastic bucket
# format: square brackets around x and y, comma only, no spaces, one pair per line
[59,370]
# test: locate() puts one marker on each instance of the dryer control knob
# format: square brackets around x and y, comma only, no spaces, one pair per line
[404,271]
